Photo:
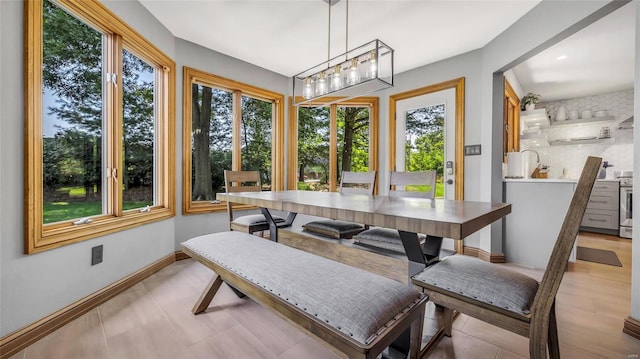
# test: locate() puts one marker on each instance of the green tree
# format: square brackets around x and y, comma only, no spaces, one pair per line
[138,128]
[257,116]
[220,137]
[73,74]
[211,130]
[313,140]
[424,149]
[200,121]
[353,149]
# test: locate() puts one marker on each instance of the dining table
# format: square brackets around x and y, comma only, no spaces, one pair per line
[435,218]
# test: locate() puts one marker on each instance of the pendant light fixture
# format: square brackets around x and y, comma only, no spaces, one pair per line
[357,72]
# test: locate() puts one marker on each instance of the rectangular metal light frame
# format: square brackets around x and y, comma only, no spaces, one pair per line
[383,78]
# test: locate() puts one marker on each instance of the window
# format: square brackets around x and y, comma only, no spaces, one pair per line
[227,125]
[340,137]
[98,122]
[424,144]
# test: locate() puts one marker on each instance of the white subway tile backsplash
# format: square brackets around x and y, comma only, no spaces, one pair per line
[572,157]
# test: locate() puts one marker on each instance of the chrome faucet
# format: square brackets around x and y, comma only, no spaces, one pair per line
[537,155]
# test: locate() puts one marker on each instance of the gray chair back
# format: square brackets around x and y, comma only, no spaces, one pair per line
[419,178]
[358,182]
[240,181]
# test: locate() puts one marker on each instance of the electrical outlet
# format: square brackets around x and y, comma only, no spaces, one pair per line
[96,255]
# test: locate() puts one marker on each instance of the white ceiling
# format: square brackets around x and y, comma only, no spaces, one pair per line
[290,36]
[599,59]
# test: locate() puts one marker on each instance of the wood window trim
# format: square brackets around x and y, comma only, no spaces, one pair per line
[371,102]
[39,237]
[511,96]
[458,85]
[239,89]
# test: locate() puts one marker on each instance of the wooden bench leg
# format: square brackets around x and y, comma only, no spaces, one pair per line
[448,321]
[416,335]
[207,295]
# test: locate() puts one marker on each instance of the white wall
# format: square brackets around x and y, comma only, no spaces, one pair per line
[514,82]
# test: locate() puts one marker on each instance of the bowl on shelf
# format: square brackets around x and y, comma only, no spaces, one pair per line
[601,113]
[573,114]
[531,130]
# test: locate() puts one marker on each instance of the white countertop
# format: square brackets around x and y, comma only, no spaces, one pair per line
[541,180]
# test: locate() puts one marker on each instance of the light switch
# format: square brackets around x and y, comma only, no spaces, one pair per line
[472,150]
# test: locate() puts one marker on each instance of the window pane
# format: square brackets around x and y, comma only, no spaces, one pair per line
[353,139]
[424,142]
[313,148]
[212,120]
[72,117]
[138,100]
[255,137]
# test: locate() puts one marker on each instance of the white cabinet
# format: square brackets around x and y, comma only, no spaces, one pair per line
[538,208]
[602,214]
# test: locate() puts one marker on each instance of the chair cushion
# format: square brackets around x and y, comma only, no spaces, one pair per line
[333,228]
[381,237]
[482,281]
[386,238]
[255,219]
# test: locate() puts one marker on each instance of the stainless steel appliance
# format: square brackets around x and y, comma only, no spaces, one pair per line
[626,200]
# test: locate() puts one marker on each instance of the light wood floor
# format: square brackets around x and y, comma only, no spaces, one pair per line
[153,320]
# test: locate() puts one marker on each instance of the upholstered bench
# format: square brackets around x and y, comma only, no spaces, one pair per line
[353,311]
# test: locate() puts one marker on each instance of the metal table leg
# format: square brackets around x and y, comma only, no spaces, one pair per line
[273,226]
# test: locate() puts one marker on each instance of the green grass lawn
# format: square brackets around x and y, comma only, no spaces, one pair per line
[63,211]
[439,188]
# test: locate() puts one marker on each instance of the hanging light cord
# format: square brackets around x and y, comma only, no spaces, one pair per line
[346,36]
[329,36]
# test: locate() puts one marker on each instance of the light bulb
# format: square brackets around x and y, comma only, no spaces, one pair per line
[336,78]
[372,69]
[321,85]
[354,75]
[307,92]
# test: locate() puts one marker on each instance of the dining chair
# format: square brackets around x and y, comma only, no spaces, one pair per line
[350,182]
[424,184]
[357,182]
[504,297]
[246,181]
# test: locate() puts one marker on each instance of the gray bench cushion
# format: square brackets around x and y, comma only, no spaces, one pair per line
[333,228]
[356,302]
[482,281]
[254,219]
